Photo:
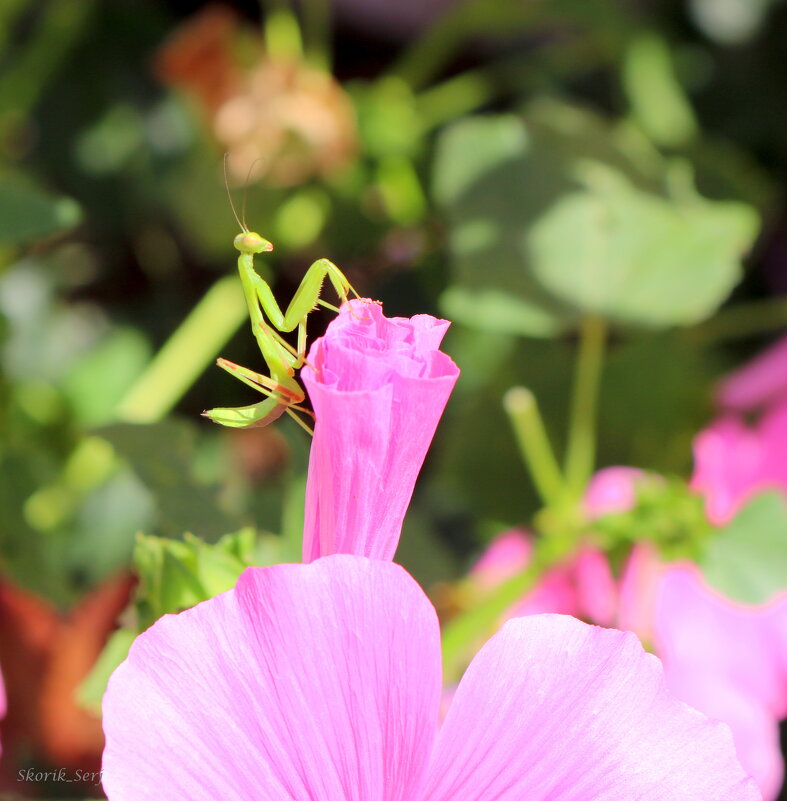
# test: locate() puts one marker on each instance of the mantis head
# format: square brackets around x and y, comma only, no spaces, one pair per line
[249,242]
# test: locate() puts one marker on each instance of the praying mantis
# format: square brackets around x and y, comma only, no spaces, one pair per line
[283,392]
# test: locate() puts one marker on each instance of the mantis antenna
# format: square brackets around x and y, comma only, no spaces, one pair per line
[246,191]
[229,195]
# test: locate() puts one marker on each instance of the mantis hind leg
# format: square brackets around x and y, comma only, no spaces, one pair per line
[280,400]
[256,415]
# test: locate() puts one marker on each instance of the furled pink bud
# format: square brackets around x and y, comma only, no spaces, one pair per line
[378,387]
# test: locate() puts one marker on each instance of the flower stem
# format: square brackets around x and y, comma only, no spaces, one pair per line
[533,441]
[581,447]
[456,96]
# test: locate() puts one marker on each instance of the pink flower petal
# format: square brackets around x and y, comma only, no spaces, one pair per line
[733,462]
[508,554]
[612,489]
[306,682]
[728,660]
[639,586]
[552,709]
[597,593]
[760,382]
[378,387]
[555,591]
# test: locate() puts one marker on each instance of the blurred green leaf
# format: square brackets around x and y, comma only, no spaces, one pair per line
[498,313]
[657,99]
[747,559]
[636,258]
[162,455]
[563,213]
[177,574]
[479,178]
[27,212]
[388,119]
[97,382]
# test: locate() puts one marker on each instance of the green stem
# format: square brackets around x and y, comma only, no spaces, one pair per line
[744,320]
[533,441]
[581,447]
[186,354]
[456,96]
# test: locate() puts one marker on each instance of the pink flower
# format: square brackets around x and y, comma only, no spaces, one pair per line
[761,382]
[612,489]
[729,661]
[726,659]
[322,682]
[378,387]
[734,461]
[583,586]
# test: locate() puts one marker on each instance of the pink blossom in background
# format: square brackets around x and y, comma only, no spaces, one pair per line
[378,387]
[761,382]
[583,586]
[508,555]
[612,489]
[322,682]
[728,660]
[734,461]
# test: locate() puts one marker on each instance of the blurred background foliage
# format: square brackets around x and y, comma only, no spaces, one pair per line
[518,166]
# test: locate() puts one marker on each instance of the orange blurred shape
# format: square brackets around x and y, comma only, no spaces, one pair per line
[44,658]
[295,119]
[199,59]
[285,119]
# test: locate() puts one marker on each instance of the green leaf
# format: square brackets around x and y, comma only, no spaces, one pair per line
[480,180]
[657,99]
[633,257]
[747,559]
[563,214]
[97,382]
[499,313]
[27,212]
[163,455]
[177,574]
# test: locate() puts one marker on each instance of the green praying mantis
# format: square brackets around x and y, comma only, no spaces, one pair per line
[283,392]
